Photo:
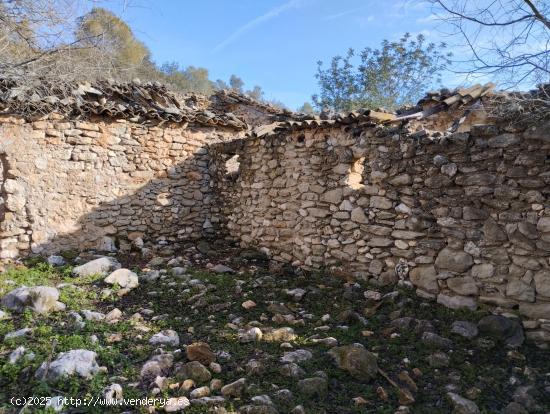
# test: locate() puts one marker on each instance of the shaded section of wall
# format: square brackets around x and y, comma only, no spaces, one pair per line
[467,213]
[75,185]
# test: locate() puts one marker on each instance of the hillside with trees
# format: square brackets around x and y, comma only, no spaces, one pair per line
[50,41]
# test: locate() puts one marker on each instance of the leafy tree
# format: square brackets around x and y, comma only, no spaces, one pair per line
[307,108]
[221,84]
[396,74]
[191,79]
[46,39]
[256,93]
[113,36]
[38,39]
[236,83]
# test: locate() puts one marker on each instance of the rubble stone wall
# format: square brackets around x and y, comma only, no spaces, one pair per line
[467,214]
[96,184]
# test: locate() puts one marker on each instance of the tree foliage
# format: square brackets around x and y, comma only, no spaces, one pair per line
[48,40]
[236,83]
[190,79]
[306,108]
[396,74]
[103,29]
[36,39]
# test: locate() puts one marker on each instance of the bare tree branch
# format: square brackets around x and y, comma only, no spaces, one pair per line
[475,20]
[538,14]
[507,40]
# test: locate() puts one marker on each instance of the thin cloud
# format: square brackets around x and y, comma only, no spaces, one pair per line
[271,14]
[428,19]
[342,14]
[365,22]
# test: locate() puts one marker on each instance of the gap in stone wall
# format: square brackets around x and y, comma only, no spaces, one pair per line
[232,167]
[354,177]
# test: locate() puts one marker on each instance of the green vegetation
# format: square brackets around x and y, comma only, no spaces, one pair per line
[200,312]
[396,74]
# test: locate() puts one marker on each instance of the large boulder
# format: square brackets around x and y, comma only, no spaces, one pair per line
[41,299]
[77,361]
[360,363]
[100,266]
[454,260]
[501,328]
[125,278]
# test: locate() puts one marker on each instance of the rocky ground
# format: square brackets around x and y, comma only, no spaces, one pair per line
[212,329]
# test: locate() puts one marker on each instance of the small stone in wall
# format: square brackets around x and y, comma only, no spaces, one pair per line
[440,160]
[403,179]
[542,282]
[483,270]
[358,216]
[457,302]
[332,196]
[449,169]
[403,209]
[535,310]
[502,141]
[543,224]
[380,202]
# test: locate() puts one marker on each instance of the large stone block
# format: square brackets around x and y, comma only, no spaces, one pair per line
[542,282]
[465,286]
[454,260]
[425,277]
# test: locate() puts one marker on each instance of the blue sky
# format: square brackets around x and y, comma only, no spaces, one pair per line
[271,43]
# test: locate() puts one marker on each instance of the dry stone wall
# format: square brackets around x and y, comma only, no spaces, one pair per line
[100,183]
[465,217]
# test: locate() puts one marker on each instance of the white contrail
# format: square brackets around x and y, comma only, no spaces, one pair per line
[342,14]
[271,14]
